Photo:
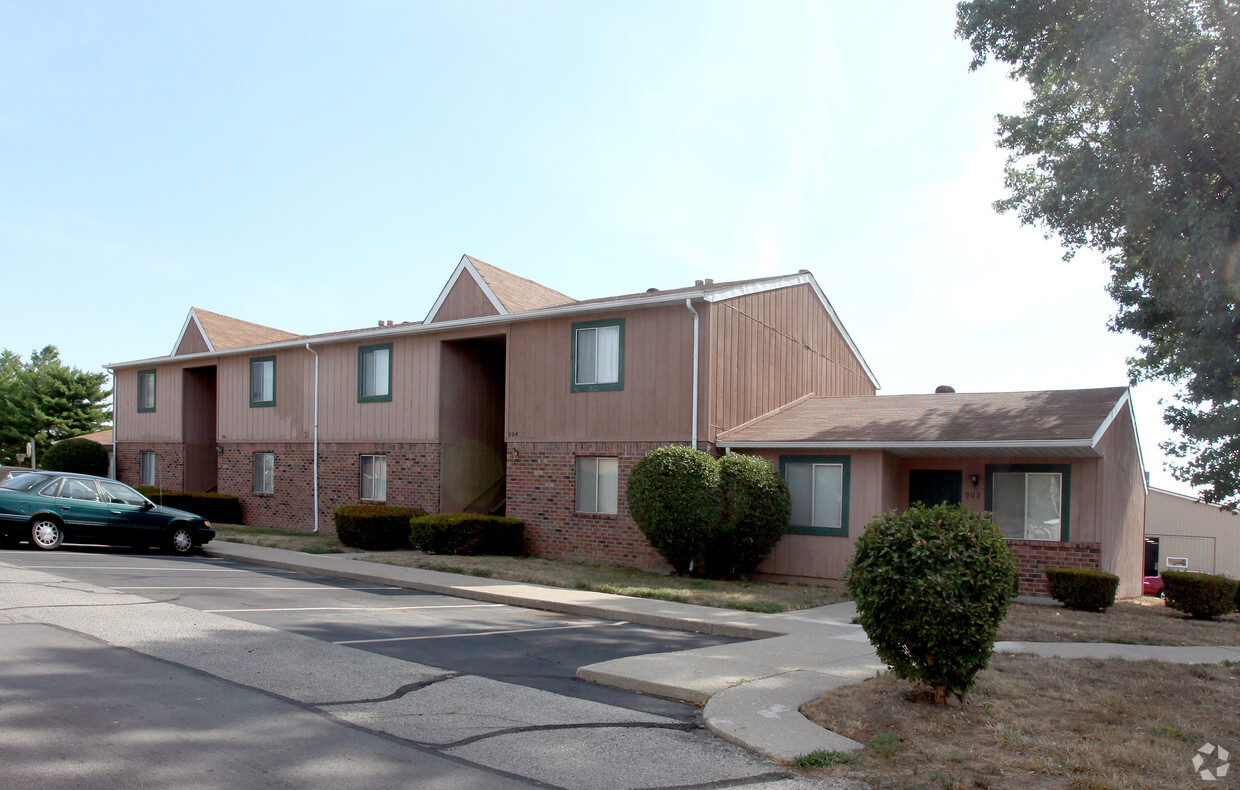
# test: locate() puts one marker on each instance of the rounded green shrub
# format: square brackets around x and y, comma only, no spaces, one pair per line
[673,494]
[932,585]
[1084,589]
[1203,596]
[82,456]
[374,527]
[467,533]
[755,509]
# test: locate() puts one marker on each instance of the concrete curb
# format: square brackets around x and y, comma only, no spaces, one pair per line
[751,691]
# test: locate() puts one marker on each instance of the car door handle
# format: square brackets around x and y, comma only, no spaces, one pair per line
[116,512]
[66,507]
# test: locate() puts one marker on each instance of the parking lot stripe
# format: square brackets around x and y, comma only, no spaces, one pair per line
[474,633]
[318,588]
[172,566]
[349,608]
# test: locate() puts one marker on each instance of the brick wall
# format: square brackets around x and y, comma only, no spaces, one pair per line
[169,463]
[1033,557]
[542,490]
[412,480]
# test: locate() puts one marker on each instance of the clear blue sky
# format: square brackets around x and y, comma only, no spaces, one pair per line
[321,166]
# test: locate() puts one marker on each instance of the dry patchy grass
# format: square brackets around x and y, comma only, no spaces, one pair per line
[754,596]
[309,542]
[1142,621]
[1032,722]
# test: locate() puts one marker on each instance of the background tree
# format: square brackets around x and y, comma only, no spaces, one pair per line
[1130,145]
[47,400]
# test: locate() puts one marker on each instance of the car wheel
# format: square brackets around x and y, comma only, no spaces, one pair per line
[46,533]
[180,540]
[1162,594]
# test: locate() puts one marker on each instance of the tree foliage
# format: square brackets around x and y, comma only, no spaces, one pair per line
[755,506]
[673,494]
[1130,145]
[47,400]
[76,455]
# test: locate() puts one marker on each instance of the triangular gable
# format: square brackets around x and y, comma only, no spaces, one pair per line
[193,338]
[731,291]
[478,289]
[205,331]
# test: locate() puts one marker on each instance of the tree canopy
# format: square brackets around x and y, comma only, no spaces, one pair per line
[1130,145]
[47,400]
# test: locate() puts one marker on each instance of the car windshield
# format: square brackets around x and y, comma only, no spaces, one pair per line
[119,492]
[25,482]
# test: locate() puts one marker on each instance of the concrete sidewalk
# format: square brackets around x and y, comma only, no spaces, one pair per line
[750,690]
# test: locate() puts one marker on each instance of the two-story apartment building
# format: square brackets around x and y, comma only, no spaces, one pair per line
[512,395]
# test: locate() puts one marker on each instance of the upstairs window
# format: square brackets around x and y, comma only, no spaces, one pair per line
[818,486]
[374,373]
[146,390]
[374,477]
[263,381]
[1029,501]
[598,355]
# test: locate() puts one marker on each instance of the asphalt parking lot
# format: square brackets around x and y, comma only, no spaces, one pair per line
[536,649]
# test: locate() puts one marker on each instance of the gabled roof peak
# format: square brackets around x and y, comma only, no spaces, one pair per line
[508,293]
[222,332]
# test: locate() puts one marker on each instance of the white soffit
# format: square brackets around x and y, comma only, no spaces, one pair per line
[465,266]
[191,318]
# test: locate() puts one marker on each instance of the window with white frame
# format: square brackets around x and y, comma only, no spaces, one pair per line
[146,390]
[597,484]
[264,473]
[598,355]
[1029,501]
[818,487]
[146,468]
[374,373]
[263,381]
[374,477]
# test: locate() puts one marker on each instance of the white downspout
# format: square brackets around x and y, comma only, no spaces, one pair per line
[112,464]
[689,304]
[315,473]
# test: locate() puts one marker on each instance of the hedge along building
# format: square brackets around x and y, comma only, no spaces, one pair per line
[508,395]
[1060,472]
[511,395]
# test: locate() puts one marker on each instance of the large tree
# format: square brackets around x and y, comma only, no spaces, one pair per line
[46,400]
[1130,145]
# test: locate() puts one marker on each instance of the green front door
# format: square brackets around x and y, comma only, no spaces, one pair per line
[935,486]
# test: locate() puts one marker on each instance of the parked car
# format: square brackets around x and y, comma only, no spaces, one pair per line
[1153,585]
[51,508]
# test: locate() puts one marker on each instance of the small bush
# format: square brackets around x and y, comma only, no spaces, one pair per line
[673,494]
[374,527]
[1203,596]
[467,533]
[221,508]
[932,585]
[1085,589]
[82,456]
[755,509]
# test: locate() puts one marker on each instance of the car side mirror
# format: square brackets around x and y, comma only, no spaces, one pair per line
[147,505]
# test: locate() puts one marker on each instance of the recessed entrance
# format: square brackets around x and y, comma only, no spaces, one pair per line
[198,421]
[935,486]
[472,459]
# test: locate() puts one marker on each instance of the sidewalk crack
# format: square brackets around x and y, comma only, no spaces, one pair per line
[408,688]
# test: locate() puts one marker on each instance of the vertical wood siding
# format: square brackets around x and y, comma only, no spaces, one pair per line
[291,419]
[655,404]
[465,300]
[193,342]
[770,348]
[1122,505]
[161,425]
[1183,524]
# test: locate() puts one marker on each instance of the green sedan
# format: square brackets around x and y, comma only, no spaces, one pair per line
[51,508]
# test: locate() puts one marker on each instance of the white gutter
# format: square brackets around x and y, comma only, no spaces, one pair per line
[957,445]
[315,473]
[696,318]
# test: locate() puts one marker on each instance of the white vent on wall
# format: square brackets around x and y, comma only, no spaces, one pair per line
[1177,562]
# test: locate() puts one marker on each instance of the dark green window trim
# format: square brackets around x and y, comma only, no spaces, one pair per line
[618,384]
[261,403]
[142,374]
[844,461]
[1065,504]
[362,351]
